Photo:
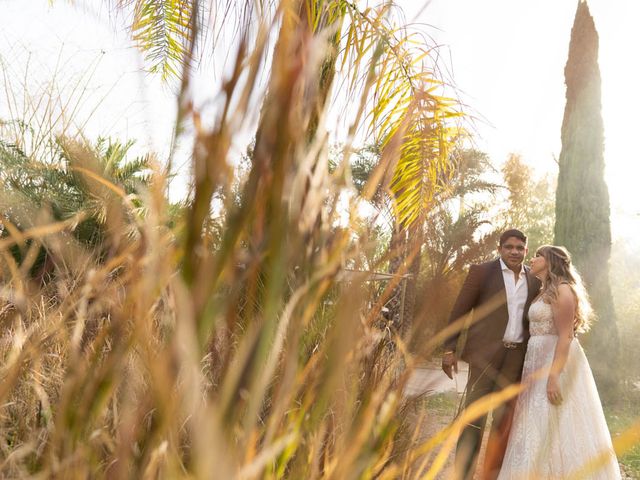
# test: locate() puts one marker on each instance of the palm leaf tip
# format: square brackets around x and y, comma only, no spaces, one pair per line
[163,30]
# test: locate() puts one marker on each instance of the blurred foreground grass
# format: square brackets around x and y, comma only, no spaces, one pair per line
[147,340]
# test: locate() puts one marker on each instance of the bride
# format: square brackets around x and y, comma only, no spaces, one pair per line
[559,430]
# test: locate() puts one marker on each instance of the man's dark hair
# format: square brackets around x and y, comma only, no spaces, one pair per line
[512,233]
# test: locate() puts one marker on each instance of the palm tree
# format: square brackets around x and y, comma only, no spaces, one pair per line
[63,187]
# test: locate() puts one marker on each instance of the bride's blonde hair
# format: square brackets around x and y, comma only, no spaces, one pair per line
[560,270]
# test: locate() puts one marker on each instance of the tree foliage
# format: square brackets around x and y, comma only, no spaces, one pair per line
[582,198]
[60,187]
[530,202]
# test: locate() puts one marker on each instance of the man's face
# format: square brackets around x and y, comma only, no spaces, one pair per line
[512,252]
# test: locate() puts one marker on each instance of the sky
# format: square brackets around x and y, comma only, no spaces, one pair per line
[72,45]
[505,57]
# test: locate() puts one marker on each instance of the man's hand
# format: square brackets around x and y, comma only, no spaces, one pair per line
[449,364]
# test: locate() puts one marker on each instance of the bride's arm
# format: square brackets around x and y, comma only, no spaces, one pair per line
[564,308]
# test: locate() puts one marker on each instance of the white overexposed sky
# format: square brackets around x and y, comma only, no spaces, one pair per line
[74,46]
[506,58]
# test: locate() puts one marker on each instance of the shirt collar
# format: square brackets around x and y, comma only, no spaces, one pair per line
[504,267]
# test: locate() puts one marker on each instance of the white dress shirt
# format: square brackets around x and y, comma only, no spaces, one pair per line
[517,292]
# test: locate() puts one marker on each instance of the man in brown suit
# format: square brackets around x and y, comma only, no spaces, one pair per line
[493,302]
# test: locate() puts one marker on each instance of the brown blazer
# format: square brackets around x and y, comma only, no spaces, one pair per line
[482,306]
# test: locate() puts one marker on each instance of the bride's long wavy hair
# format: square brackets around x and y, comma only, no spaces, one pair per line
[561,270]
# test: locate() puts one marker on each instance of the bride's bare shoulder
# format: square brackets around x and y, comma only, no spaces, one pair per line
[565,296]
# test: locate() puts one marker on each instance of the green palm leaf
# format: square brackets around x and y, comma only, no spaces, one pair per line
[163,30]
[408,119]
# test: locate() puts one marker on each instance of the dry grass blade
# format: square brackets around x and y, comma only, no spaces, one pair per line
[446,438]
[40,231]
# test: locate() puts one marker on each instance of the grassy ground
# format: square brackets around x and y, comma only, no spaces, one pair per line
[441,408]
[433,413]
[621,415]
[442,404]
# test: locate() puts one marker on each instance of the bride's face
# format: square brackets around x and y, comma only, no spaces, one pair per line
[538,265]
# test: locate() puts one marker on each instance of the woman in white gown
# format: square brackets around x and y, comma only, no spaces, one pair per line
[559,430]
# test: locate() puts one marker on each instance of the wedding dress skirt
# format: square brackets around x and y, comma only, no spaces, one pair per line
[570,440]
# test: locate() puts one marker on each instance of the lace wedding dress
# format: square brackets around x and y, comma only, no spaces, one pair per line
[570,440]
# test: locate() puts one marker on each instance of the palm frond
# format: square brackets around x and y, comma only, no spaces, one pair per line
[409,118]
[163,30]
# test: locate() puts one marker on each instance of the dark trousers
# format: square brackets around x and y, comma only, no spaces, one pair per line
[504,370]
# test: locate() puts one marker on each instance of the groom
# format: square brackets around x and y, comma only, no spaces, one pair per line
[491,308]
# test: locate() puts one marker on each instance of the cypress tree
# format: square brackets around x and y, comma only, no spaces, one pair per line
[582,198]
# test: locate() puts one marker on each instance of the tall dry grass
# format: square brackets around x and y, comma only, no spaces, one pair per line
[191,347]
